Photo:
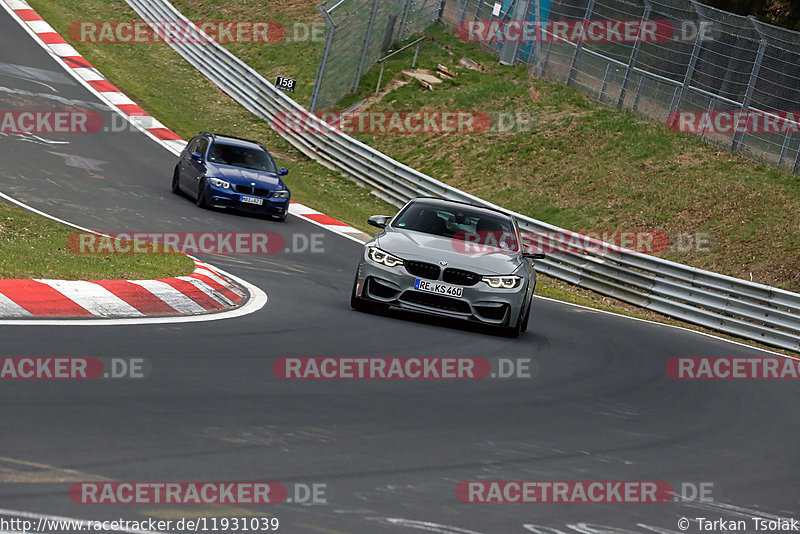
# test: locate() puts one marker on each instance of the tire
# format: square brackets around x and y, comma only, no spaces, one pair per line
[201,195]
[175,182]
[516,330]
[360,304]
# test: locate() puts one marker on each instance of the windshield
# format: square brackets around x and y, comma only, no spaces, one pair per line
[459,222]
[238,156]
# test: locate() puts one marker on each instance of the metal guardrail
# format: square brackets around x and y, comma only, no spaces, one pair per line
[723,303]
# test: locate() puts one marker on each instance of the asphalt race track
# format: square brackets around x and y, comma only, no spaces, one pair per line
[391,453]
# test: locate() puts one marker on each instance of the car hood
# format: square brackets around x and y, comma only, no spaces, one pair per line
[240,176]
[412,245]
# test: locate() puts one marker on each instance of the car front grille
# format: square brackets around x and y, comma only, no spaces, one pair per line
[459,277]
[422,269]
[436,301]
[249,190]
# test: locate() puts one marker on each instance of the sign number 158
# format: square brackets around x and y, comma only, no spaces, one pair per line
[285,84]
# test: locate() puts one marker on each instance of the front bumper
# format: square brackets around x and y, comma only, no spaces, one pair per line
[227,198]
[394,286]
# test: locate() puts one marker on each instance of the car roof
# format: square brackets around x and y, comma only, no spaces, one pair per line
[236,141]
[455,204]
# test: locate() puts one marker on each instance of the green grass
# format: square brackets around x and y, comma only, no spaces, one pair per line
[32,246]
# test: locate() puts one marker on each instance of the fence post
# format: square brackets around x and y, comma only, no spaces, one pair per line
[681,89]
[404,20]
[634,56]
[573,70]
[440,10]
[323,62]
[365,47]
[797,162]
[603,88]
[740,138]
[787,139]
[639,88]
[509,53]
[537,42]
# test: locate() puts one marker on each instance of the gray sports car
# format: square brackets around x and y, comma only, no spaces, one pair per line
[448,258]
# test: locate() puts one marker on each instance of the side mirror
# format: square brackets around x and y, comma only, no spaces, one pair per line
[283,172]
[379,221]
[197,157]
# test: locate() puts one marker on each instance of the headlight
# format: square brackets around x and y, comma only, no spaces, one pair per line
[283,193]
[219,183]
[384,258]
[502,282]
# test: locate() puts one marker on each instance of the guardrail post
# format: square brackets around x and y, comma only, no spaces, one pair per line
[576,58]
[323,62]
[365,47]
[681,89]
[740,138]
[634,55]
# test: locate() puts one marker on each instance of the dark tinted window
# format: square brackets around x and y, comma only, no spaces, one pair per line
[248,158]
[458,222]
[202,146]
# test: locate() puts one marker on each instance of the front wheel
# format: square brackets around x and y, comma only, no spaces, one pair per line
[527,317]
[176,188]
[517,329]
[201,195]
[361,304]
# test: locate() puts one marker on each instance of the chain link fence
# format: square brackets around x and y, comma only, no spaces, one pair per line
[731,79]
[359,33]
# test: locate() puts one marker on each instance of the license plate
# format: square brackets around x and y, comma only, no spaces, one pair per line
[253,200]
[439,289]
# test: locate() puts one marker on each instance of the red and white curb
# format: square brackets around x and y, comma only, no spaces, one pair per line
[90,77]
[205,290]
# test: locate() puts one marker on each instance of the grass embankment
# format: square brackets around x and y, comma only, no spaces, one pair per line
[586,166]
[32,246]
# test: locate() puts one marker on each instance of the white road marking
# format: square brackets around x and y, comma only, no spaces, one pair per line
[9,308]
[94,298]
